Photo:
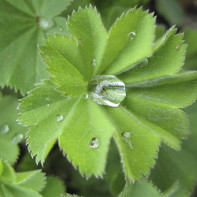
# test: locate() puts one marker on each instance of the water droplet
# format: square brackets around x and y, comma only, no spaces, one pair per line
[177,47]
[45,23]
[47,99]
[94,142]
[17,138]
[127,138]
[47,105]
[94,62]
[68,98]
[132,35]
[60,29]
[86,96]
[107,90]
[4,129]
[59,118]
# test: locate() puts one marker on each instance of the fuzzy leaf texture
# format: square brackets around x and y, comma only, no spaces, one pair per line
[148,115]
[14,184]
[24,24]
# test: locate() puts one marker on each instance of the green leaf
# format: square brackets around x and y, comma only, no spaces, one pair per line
[171,11]
[136,155]
[80,116]
[54,187]
[19,184]
[127,37]
[65,75]
[23,25]
[83,128]
[180,166]
[190,36]
[168,57]
[8,150]
[143,189]
[10,132]
[110,10]
[33,179]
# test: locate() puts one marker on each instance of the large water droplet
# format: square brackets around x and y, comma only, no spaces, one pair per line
[45,23]
[59,118]
[4,129]
[86,96]
[107,90]
[94,62]
[132,35]
[126,136]
[17,138]
[94,142]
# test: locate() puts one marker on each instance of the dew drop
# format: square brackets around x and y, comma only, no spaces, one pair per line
[132,35]
[86,96]
[45,23]
[17,138]
[4,129]
[107,90]
[59,118]
[94,62]
[127,138]
[94,142]
[47,105]
[68,98]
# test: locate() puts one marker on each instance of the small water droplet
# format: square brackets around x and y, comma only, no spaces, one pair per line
[59,118]
[94,142]
[86,96]
[47,105]
[45,23]
[127,138]
[132,35]
[107,90]
[94,62]
[68,98]
[4,129]
[17,138]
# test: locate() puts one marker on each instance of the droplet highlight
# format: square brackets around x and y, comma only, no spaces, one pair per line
[94,142]
[59,118]
[132,35]
[17,138]
[4,129]
[86,96]
[107,90]
[45,23]
[94,62]
[126,136]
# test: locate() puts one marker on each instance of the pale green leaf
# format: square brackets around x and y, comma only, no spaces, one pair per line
[168,57]
[140,189]
[8,150]
[128,43]
[64,74]
[10,132]
[33,179]
[139,152]
[86,26]
[24,23]
[14,184]
[78,116]
[54,187]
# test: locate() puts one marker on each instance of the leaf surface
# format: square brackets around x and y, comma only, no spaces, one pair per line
[23,25]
